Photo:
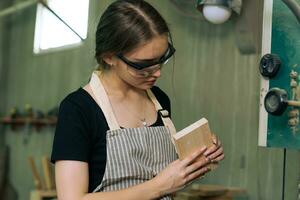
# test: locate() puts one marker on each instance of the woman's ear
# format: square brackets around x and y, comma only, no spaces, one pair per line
[109,59]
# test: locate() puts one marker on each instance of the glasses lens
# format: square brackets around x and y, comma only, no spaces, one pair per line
[144,72]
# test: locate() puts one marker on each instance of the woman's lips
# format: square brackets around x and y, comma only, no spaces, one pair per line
[151,82]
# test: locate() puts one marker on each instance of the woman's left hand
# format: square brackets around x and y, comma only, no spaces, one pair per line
[215,153]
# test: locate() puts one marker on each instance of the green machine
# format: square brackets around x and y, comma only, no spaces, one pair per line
[279,124]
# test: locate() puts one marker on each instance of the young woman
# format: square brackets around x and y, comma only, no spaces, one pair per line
[113,137]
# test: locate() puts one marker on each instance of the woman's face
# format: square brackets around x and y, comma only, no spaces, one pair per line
[151,51]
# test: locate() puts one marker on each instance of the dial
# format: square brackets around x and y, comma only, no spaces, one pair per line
[276,101]
[269,65]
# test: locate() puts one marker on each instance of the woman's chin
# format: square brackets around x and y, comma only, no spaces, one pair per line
[145,86]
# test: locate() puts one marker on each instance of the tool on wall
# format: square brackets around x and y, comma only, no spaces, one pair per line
[53,112]
[28,114]
[14,113]
[29,118]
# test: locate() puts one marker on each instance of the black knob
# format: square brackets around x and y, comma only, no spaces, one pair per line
[276,101]
[269,65]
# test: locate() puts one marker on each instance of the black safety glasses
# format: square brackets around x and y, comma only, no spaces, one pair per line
[144,64]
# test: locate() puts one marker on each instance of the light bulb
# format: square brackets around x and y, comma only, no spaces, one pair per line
[216,14]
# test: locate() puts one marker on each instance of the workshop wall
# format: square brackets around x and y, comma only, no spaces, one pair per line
[42,81]
[211,79]
[3,67]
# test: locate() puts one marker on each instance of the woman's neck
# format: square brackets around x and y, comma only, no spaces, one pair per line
[116,87]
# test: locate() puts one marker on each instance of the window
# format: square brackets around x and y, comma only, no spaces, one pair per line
[51,32]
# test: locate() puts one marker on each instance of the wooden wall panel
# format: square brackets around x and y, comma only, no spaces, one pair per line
[43,81]
[4,33]
[211,79]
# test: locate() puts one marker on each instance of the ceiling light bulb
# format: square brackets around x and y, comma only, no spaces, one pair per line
[216,14]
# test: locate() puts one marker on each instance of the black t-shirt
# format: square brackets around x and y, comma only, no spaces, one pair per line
[81,132]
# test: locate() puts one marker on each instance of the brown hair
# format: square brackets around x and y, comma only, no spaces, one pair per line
[125,25]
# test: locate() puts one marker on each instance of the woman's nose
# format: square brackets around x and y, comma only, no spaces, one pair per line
[157,74]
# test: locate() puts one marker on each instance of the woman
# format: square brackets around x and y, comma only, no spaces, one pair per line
[113,135]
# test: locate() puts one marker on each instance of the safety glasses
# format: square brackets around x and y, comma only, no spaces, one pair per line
[145,64]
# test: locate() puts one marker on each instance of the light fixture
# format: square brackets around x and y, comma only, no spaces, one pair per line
[218,11]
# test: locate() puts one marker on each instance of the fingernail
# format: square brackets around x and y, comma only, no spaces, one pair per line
[214,141]
[203,148]
[206,153]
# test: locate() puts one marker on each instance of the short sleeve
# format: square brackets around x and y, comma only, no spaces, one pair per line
[71,139]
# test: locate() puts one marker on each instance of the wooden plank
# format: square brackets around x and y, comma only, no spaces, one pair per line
[36,177]
[48,176]
[266,48]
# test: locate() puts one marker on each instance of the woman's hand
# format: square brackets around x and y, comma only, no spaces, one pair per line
[215,153]
[181,172]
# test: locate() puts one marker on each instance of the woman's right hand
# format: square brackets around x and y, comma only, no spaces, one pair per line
[181,172]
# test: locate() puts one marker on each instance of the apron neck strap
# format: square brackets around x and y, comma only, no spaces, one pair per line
[162,112]
[102,100]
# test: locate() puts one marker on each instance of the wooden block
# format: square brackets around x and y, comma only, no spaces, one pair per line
[192,138]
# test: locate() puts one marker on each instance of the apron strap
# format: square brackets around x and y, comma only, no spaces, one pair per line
[103,101]
[163,113]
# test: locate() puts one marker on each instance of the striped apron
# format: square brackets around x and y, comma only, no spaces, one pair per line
[134,155]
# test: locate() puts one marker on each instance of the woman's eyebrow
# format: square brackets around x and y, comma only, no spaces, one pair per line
[150,59]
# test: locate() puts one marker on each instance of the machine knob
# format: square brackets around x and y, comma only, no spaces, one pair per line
[269,65]
[276,101]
